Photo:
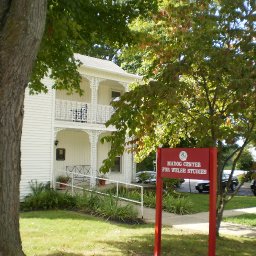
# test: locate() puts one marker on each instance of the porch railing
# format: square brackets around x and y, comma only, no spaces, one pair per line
[104,113]
[77,170]
[75,111]
[74,176]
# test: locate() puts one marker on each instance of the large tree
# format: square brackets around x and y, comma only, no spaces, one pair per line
[38,38]
[21,28]
[198,58]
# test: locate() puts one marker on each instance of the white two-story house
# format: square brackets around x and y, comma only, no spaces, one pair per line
[62,132]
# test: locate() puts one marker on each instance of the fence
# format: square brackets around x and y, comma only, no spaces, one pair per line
[74,175]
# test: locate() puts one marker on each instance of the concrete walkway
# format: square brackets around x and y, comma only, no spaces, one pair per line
[199,222]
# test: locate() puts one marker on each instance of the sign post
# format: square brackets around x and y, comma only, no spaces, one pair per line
[212,210]
[159,200]
[189,163]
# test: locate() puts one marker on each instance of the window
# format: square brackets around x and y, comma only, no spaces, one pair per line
[117,165]
[60,154]
[115,95]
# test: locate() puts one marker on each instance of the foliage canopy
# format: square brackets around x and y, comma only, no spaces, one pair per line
[96,28]
[198,58]
[200,83]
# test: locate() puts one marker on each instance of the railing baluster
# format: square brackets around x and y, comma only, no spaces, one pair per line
[142,201]
[72,184]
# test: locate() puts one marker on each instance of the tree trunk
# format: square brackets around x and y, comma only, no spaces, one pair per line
[219,214]
[22,24]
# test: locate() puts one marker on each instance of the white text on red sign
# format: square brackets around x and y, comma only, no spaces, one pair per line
[183,170]
[185,164]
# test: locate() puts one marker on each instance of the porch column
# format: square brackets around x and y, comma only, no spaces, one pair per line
[93,137]
[128,167]
[133,168]
[94,84]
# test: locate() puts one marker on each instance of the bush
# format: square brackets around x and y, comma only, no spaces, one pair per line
[88,202]
[171,184]
[241,178]
[43,197]
[150,199]
[179,205]
[172,201]
[110,209]
[107,207]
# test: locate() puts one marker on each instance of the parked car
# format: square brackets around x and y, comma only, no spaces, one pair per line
[204,185]
[253,186]
[146,177]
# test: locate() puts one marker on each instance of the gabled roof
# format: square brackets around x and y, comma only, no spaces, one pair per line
[103,65]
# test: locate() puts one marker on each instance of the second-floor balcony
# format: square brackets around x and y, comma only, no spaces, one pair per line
[75,111]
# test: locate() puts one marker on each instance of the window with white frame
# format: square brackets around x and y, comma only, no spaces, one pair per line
[117,164]
[115,95]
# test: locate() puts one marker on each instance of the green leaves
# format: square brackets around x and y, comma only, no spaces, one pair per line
[199,55]
[95,27]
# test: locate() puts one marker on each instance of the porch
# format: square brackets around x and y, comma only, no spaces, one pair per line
[81,150]
[82,112]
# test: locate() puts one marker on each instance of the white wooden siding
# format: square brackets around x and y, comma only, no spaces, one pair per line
[36,140]
[38,160]
[102,150]
[103,153]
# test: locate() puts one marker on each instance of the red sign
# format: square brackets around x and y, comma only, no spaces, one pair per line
[185,163]
[193,163]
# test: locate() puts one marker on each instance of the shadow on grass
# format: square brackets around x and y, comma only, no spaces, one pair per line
[75,215]
[174,243]
[75,254]
[181,245]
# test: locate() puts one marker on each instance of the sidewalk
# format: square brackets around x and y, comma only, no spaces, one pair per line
[199,222]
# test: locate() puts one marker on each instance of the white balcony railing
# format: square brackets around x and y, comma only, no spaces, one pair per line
[104,113]
[75,111]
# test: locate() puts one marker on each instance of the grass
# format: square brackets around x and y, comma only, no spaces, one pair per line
[244,219]
[184,203]
[200,202]
[58,233]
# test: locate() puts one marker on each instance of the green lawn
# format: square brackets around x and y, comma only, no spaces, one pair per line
[56,233]
[244,219]
[201,202]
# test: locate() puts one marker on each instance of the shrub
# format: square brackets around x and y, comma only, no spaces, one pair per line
[172,201]
[179,205]
[241,178]
[107,207]
[171,184]
[62,179]
[150,199]
[110,209]
[37,188]
[144,176]
[43,197]
[88,201]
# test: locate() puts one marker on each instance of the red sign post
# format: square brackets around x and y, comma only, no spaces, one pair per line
[189,163]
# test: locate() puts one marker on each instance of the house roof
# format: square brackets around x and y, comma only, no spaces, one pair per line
[104,65]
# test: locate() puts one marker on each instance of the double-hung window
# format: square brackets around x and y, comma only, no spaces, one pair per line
[117,165]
